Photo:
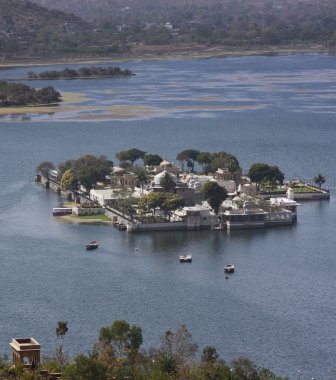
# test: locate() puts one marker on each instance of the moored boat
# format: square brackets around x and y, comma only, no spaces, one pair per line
[185,259]
[229,268]
[122,227]
[92,245]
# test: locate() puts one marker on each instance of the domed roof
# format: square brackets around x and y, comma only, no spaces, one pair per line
[158,177]
[118,170]
[165,163]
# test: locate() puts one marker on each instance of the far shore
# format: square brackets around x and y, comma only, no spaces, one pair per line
[172,52]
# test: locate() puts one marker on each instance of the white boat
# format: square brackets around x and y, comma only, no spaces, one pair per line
[229,268]
[92,245]
[185,259]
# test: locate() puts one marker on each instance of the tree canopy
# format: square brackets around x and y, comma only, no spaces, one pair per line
[152,159]
[262,172]
[167,183]
[69,181]
[121,336]
[188,156]
[18,94]
[118,355]
[214,194]
[320,180]
[165,201]
[210,162]
[87,170]
[130,155]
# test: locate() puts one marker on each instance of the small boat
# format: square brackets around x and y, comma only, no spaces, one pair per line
[185,259]
[229,268]
[91,245]
[122,227]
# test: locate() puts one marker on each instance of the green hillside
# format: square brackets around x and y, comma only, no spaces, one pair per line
[115,27]
[28,30]
[226,22]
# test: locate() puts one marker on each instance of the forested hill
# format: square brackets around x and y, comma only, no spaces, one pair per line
[211,21]
[27,29]
[114,27]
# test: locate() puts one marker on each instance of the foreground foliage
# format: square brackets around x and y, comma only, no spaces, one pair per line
[117,355]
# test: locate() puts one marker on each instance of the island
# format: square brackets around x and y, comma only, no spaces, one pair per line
[206,191]
[82,73]
[18,94]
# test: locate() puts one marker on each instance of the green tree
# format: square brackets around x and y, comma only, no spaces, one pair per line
[262,172]
[319,180]
[86,368]
[121,337]
[63,167]
[134,154]
[135,339]
[130,155]
[69,181]
[214,194]
[122,156]
[209,355]
[142,176]
[88,177]
[152,159]
[152,201]
[171,203]
[258,172]
[167,183]
[124,201]
[61,330]
[244,369]
[275,174]
[188,155]
[89,169]
[224,160]
[204,159]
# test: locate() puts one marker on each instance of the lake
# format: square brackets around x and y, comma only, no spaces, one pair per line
[277,309]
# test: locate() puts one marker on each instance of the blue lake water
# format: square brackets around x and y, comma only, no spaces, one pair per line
[278,309]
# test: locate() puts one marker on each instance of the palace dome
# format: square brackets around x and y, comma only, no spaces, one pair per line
[158,177]
[165,163]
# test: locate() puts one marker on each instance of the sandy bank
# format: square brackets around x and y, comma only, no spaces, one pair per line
[172,52]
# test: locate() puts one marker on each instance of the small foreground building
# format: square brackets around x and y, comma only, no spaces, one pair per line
[26,352]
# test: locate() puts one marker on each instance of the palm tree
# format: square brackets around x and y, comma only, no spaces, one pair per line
[143,178]
[61,330]
[319,179]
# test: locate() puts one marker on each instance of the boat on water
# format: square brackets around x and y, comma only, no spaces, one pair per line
[229,268]
[185,259]
[92,245]
[122,227]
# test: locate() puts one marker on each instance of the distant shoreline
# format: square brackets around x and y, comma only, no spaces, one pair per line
[173,52]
